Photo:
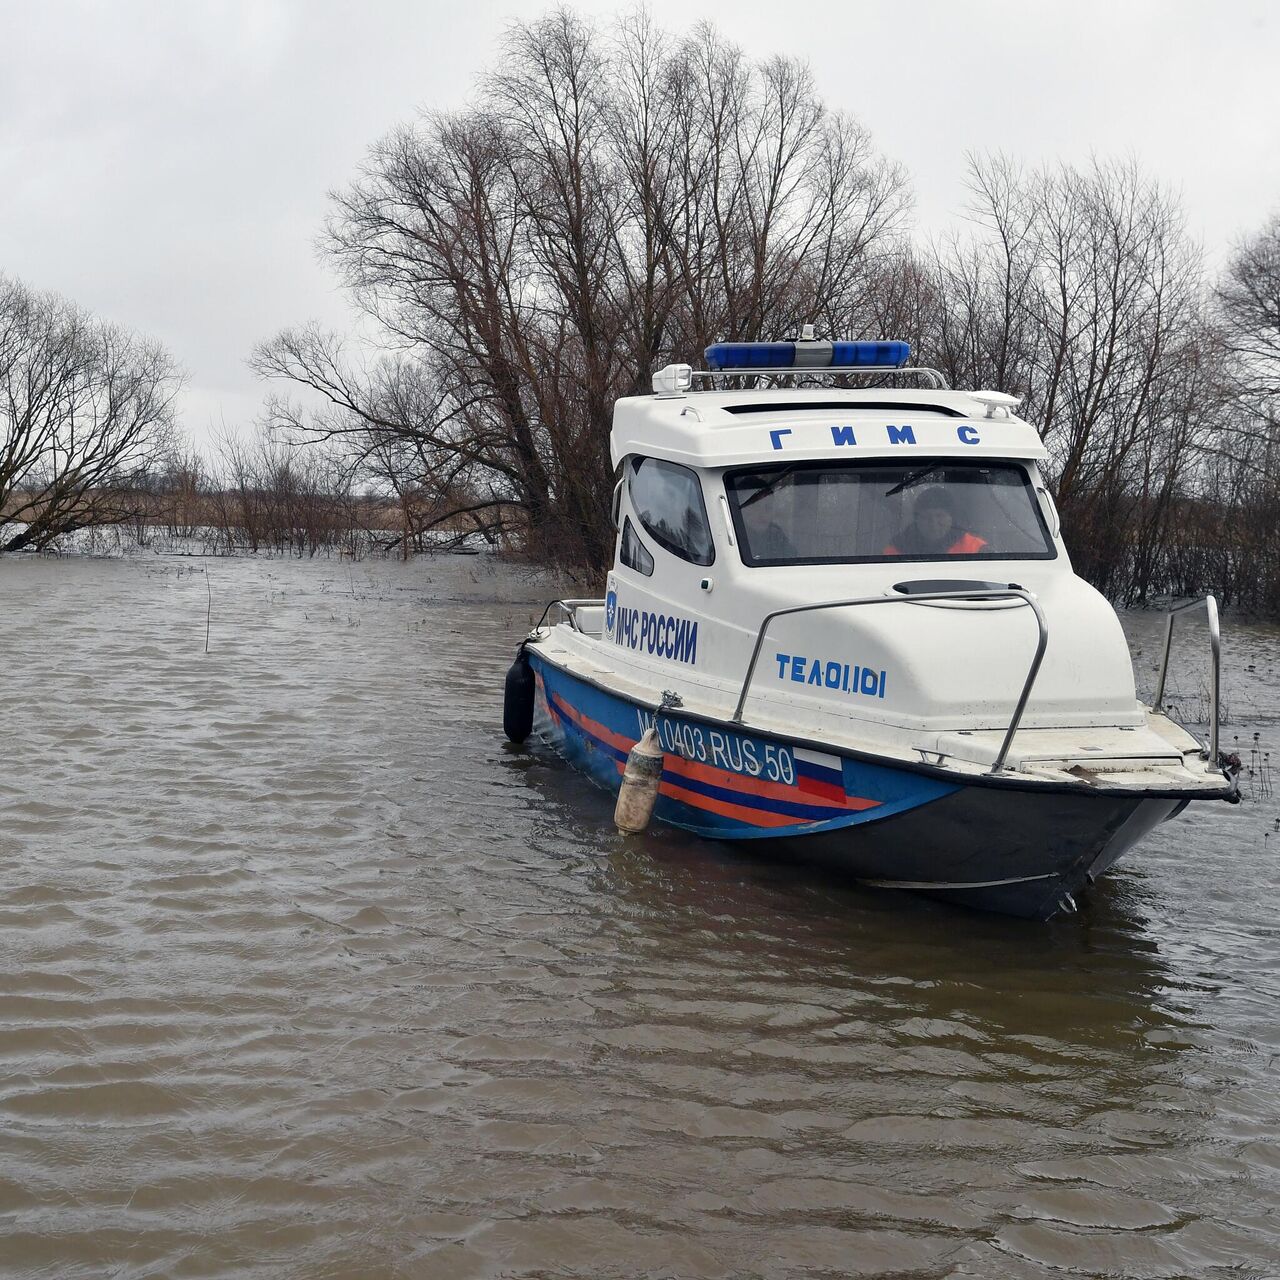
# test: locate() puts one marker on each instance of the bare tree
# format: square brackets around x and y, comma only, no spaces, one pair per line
[1249,297]
[1081,290]
[1245,474]
[613,200]
[86,415]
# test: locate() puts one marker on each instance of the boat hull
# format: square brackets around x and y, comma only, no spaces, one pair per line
[1016,850]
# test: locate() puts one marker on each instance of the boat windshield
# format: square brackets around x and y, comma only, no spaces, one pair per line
[866,512]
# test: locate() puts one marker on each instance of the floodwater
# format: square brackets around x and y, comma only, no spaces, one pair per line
[303,972]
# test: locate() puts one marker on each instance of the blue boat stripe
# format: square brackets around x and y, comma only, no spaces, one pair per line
[766,804]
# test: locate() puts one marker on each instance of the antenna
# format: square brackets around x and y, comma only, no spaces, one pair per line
[996,400]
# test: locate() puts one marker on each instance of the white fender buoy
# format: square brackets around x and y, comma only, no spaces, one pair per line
[639,788]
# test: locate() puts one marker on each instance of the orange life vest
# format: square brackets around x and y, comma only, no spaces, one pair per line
[967,544]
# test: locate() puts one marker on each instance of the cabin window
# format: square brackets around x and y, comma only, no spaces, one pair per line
[667,500]
[634,554]
[869,512]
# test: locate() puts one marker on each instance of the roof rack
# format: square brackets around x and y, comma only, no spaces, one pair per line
[805,357]
[935,379]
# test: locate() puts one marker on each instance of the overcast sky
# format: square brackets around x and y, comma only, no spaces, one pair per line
[166,164]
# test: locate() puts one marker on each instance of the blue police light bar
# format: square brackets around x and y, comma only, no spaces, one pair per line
[751,355]
[807,355]
[870,355]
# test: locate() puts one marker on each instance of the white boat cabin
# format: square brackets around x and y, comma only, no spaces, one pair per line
[735,503]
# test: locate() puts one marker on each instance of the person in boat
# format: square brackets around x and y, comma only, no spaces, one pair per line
[934,530]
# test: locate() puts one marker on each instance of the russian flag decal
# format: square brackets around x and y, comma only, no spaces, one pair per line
[819,774]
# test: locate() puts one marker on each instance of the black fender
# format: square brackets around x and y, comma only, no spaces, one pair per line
[518,699]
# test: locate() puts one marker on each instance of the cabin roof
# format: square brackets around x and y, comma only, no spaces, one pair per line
[729,428]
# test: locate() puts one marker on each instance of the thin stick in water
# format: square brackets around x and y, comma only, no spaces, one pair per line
[208,614]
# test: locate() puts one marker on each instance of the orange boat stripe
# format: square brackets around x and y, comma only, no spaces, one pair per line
[743,813]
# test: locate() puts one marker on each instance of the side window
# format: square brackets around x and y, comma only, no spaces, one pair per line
[668,501]
[634,554]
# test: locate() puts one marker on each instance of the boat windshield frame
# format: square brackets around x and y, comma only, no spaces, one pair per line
[920,472]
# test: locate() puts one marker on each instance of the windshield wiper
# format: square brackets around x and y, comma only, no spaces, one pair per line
[914,478]
[767,489]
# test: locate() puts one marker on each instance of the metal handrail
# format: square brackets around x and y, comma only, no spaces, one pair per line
[939,383]
[1008,593]
[1210,606]
[568,606]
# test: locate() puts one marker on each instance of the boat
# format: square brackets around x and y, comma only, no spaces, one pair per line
[842,601]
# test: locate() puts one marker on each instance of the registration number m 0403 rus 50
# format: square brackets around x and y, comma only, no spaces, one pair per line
[721,749]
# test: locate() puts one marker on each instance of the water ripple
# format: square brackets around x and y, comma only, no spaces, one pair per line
[306,973]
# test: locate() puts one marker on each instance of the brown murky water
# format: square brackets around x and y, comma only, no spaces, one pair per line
[304,973]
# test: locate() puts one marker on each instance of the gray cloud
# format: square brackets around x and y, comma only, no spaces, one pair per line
[167,165]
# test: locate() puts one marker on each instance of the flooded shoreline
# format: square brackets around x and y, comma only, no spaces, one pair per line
[308,973]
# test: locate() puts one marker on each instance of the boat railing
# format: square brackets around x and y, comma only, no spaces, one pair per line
[924,597]
[1210,606]
[569,608]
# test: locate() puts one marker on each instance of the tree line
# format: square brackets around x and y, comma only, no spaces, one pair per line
[615,199]
[618,199]
[257,493]
[88,439]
